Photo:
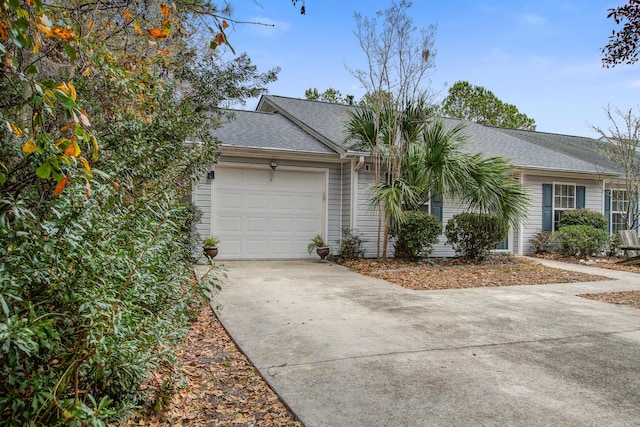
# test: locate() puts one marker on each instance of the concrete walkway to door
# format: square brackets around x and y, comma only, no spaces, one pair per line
[343,349]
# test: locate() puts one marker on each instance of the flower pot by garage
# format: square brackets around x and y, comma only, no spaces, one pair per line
[323,252]
[211,252]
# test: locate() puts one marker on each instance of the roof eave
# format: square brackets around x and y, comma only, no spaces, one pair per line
[270,153]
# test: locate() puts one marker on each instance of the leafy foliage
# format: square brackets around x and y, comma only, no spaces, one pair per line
[416,236]
[96,240]
[587,217]
[329,95]
[475,234]
[477,104]
[574,240]
[541,242]
[623,44]
[316,242]
[351,245]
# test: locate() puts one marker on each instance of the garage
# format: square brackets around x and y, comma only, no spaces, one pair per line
[260,213]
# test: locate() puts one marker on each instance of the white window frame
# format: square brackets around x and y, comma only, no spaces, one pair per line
[623,212]
[556,208]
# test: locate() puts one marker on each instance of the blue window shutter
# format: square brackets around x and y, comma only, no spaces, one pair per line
[547,207]
[436,206]
[581,192]
[607,209]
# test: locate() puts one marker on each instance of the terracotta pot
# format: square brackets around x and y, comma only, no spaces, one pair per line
[323,252]
[211,252]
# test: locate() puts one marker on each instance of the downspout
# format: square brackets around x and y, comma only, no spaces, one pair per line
[353,220]
[521,228]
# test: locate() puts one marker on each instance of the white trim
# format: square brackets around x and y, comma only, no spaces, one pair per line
[354,197]
[553,200]
[521,225]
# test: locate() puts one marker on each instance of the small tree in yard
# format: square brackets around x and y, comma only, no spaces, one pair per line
[475,234]
[621,144]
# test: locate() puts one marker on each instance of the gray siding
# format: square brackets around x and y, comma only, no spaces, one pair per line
[366,218]
[347,169]
[201,197]
[594,199]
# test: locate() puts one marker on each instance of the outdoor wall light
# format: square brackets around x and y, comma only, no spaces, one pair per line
[273,165]
[211,175]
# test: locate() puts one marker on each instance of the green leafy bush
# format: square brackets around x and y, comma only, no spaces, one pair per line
[351,245]
[581,240]
[540,242]
[475,234]
[615,241]
[587,217]
[417,235]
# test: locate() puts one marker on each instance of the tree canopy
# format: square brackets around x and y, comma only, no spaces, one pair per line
[329,95]
[624,43]
[477,104]
[107,109]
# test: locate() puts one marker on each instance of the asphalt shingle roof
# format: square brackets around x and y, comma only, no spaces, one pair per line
[326,118]
[526,154]
[526,149]
[579,147]
[254,129]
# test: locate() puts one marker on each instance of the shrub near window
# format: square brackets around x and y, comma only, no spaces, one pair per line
[475,234]
[574,240]
[416,236]
[587,217]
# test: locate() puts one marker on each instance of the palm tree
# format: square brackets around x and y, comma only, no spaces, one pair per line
[422,157]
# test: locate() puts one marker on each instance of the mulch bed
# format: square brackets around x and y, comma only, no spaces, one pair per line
[497,270]
[219,386]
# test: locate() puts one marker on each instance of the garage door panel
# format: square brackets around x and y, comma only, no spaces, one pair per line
[257,201]
[256,247]
[230,224]
[305,225]
[229,200]
[258,213]
[257,225]
[309,203]
[283,248]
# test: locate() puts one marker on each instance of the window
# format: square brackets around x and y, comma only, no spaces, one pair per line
[564,198]
[619,208]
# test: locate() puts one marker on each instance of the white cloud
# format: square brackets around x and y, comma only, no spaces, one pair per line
[533,19]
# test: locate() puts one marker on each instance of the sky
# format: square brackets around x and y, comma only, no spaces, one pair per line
[543,56]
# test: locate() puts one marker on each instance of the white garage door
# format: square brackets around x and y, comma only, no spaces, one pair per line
[260,214]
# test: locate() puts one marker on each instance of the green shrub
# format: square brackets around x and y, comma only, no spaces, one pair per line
[587,217]
[351,245]
[417,235]
[475,234]
[615,241]
[540,242]
[581,240]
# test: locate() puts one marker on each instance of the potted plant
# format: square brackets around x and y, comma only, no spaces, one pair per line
[210,246]
[320,246]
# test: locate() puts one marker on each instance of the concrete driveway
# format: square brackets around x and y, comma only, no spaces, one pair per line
[343,349]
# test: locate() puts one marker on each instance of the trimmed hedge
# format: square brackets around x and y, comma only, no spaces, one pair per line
[582,240]
[416,236]
[475,234]
[586,217]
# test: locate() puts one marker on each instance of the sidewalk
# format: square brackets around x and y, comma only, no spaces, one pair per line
[344,349]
